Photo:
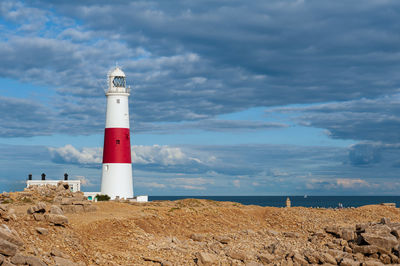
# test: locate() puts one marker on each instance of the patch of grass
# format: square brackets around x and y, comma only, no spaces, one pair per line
[102,197]
[174,209]
[7,201]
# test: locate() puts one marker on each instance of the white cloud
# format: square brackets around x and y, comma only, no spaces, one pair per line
[350,183]
[69,154]
[156,154]
[151,185]
[236,183]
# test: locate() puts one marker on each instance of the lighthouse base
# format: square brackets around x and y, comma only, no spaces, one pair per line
[117,180]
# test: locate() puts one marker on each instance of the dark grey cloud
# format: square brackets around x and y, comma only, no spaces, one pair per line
[195,60]
[24,118]
[214,125]
[373,120]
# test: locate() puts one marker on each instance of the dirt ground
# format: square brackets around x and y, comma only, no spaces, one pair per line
[161,232]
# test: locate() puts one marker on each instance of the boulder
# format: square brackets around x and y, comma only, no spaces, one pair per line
[237,254]
[64,262]
[327,258]
[299,259]
[348,234]
[41,207]
[42,231]
[223,239]
[198,237]
[366,250]
[348,262]
[58,253]
[8,248]
[384,242]
[38,216]
[10,236]
[206,259]
[54,209]
[56,219]
[266,258]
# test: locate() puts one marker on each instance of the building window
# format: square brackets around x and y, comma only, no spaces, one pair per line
[117,141]
[118,101]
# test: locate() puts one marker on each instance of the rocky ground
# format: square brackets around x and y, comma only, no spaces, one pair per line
[52,226]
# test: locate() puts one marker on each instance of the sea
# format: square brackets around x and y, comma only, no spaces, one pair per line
[296,201]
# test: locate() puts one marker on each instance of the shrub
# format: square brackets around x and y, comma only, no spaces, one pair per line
[102,197]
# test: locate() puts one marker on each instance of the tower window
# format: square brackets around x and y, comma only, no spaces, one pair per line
[117,141]
[118,100]
[119,82]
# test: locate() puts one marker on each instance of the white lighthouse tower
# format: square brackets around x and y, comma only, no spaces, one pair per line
[117,164]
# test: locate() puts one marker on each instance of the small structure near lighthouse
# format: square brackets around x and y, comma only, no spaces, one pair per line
[116,180]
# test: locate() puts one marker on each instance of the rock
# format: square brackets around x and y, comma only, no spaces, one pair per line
[8,248]
[38,216]
[291,234]
[42,231]
[33,261]
[385,258]
[31,210]
[378,229]
[389,204]
[237,255]
[366,250]
[6,263]
[299,259]
[18,259]
[41,207]
[253,263]
[67,201]
[56,219]
[312,257]
[64,262]
[348,262]
[348,234]
[54,209]
[373,263]
[204,258]
[81,202]
[327,258]
[10,236]
[198,237]
[385,220]
[334,230]
[382,242]
[266,258]
[30,260]
[222,239]
[58,253]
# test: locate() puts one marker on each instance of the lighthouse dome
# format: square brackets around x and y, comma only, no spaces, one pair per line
[116,72]
[117,81]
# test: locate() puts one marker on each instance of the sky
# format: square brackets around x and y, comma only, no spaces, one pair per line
[234,97]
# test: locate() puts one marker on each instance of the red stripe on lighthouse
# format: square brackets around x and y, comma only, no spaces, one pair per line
[117,146]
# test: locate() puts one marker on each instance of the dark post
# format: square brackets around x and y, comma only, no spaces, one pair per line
[43,176]
[65,176]
[30,177]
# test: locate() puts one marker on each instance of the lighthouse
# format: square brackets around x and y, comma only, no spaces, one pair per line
[117,164]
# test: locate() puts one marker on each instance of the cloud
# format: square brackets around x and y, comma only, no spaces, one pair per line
[71,155]
[374,120]
[193,61]
[236,183]
[24,118]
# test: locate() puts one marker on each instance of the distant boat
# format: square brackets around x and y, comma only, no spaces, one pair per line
[305,196]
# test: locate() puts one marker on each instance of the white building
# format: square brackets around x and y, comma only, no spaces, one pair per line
[75,185]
